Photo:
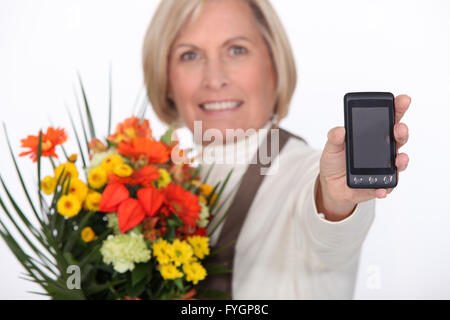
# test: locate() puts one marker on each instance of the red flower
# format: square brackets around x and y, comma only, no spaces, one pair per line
[151,200]
[182,202]
[130,211]
[140,147]
[113,195]
[130,214]
[50,140]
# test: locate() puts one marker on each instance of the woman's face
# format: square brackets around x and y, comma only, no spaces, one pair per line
[220,70]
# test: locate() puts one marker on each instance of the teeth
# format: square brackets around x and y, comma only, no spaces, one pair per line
[221,105]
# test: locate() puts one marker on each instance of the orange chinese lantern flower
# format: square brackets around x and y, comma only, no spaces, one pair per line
[151,200]
[154,151]
[130,214]
[50,140]
[129,129]
[113,195]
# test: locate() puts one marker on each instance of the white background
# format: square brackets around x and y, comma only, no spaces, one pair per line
[340,46]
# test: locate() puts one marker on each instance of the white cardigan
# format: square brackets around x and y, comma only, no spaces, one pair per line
[286,249]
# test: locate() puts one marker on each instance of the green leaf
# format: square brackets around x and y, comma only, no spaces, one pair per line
[196,172]
[38,252]
[39,153]
[179,283]
[221,190]
[75,236]
[217,268]
[166,138]
[24,188]
[80,115]
[80,149]
[205,179]
[134,291]
[140,271]
[220,222]
[212,194]
[88,111]
[211,294]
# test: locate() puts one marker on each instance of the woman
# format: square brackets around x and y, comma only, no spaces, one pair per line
[298,231]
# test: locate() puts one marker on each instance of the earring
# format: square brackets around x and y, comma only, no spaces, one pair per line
[275,120]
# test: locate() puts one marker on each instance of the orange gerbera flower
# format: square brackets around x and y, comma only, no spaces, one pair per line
[50,140]
[152,150]
[129,129]
[143,177]
[183,203]
[182,172]
[96,146]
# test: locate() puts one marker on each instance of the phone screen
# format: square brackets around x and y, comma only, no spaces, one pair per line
[371,137]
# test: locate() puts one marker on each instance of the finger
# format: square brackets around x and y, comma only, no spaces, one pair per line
[380,193]
[401,134]
[361,195]
[401,161]
[336,140]
[401,104]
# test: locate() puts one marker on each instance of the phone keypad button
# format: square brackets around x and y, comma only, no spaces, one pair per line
[372,180]
[357,180]
[387,179]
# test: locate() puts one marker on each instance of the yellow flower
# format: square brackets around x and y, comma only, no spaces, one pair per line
[194,272]
[206,190]
[122,170]
[183,252]
[73,157]
[87,234]
[163,251]
[97,178]
[203,199]
[164,178]
[196,183]
[77,188]
[70,170]
[92,202]
[200,245]
[68,206]
[170,272]
[48,185]
[110,162]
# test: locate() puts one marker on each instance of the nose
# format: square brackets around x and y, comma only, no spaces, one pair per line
[215,76]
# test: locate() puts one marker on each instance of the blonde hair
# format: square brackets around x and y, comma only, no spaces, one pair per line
[167,21]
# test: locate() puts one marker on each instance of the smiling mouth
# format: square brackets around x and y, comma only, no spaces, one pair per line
[221,106]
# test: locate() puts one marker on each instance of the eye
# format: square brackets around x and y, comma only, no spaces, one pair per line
[190,55]
[237,50]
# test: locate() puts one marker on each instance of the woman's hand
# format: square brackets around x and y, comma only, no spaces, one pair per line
[333,197]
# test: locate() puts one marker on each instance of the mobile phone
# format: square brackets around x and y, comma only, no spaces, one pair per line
[369,140]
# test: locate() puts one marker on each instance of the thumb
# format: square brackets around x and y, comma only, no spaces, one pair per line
[336,140]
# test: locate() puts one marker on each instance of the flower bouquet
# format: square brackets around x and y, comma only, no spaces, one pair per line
[131,223]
